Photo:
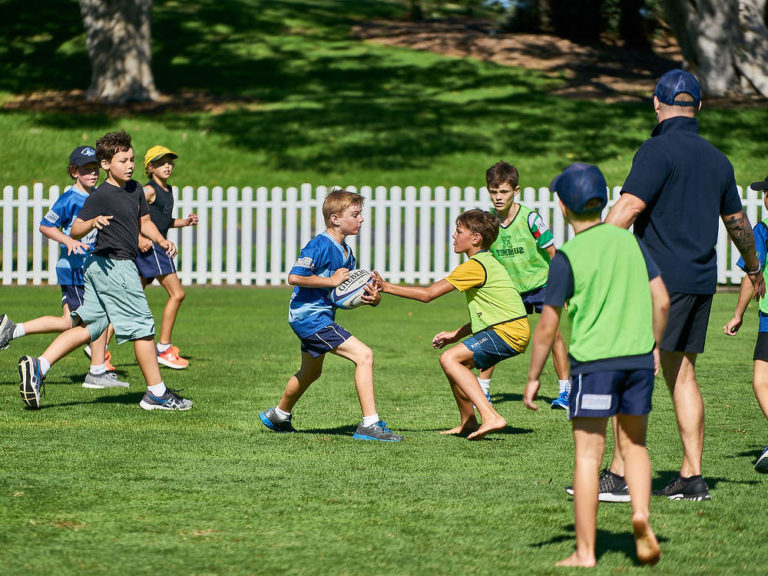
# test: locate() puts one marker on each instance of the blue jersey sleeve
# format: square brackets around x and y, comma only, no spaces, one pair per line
[560,281]
[62,213]
[313,259]
[760,232]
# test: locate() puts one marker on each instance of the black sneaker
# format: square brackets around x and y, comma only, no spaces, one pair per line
[6,331]
[680,488]
[270,419]
[762,463]
[613,488]
[378,431]
[32,384]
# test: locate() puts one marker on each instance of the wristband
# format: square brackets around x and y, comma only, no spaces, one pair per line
[755,271]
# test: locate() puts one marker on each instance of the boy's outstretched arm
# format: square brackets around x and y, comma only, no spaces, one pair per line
[543,338]
[73,246]
[81,227]
[420,293]
[660,304]
[745,295]
[444,338]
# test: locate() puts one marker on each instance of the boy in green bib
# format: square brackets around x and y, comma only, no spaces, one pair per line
[497,327]
[524,247]
[617,305]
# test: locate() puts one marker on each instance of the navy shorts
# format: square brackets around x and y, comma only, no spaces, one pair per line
[687,324]
[488,348]
[72,296]
[324,340]
[534,299]
[154,262]
[604,394]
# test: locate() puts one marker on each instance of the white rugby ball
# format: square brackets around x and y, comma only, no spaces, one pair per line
[349,294]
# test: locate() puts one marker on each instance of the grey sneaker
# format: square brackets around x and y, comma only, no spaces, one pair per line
[105,380]
[31,386]
[168,401]
[693,488]
[6,331]
[271,420]
[613,488]
[378,431]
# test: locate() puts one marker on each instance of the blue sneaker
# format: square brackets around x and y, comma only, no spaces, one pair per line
[270,420]
[378,431]
[31,381]
[762,463]
[168,401]
[561,402]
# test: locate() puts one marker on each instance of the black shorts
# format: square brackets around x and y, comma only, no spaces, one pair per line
[534,299]
[687,325]
[761,347]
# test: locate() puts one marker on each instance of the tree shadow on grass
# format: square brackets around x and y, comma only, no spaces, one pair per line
[607,541]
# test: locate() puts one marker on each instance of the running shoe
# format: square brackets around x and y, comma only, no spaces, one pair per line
[693,488]
[32,381]
[613,488]
[6,331]
[172,359]
[168,401]
[762,463]
[271,420]
[378,431]
[561,402]
[104,380]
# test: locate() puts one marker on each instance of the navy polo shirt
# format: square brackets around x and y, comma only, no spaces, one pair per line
[686,184]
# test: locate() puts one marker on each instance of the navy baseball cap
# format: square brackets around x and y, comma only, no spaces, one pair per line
[578,184]
[677,82]
[83,155]
[758,186]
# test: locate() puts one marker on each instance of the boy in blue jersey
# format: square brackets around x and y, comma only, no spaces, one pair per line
[760,356]
[323,264]
[617,305]
[56,225]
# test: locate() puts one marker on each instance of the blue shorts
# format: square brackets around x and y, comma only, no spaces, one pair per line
[324,340]
[534,299]
[154,262]
[488,348]
[72,296]
[604,394]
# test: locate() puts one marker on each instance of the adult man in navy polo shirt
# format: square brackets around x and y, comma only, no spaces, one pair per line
[678,187]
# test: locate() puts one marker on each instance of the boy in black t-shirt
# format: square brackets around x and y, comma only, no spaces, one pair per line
[113,291]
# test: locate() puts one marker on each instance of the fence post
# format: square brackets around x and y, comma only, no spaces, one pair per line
[246,237]
[261,236]
[276,238]
[23,237]
[231,235]
[201,265]
[187,235]
[53,246]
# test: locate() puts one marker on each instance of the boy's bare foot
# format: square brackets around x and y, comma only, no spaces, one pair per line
[488,425]
[648,551]
[465,428]
[576,559]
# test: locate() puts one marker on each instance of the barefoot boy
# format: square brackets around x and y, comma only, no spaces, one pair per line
[113,292]
[604,275]
[323,264]
[498,322]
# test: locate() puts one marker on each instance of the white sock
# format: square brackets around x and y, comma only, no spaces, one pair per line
[162,347]
[157,390]
[282,416]
[565,386]
[370,420]
[98,369]
[485,384]
[44,366]
[18,331]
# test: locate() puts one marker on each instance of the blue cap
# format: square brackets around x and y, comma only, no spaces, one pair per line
[760,186]
[83,155]
[578,184]
[677,82]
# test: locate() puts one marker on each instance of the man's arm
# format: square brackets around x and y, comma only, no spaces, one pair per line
[740,232]
[626,210]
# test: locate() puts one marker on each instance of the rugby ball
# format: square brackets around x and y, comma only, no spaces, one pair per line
[349,294]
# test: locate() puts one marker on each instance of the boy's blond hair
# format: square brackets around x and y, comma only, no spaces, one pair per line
[339,200]
[480,222]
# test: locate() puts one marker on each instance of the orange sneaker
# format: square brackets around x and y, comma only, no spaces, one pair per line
[172,359]
[108,362]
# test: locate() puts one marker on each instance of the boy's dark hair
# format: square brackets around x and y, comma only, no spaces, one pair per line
[72,170]
[339,200]
[502,173]
[112,143]
[480,222]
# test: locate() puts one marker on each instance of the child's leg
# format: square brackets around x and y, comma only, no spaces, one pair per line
[99,348]
[560,357]
[310,370]
[176,296]
[760,385]
[484,378]
[589,445]
[46,324]
[632,431]
[454,363]
[354,350]
[65,343]
[467,423]
[146,356]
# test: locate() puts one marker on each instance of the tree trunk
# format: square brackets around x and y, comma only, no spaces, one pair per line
[118,37]
[724,43]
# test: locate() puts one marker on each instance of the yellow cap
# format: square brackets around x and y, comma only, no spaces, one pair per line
[157,152]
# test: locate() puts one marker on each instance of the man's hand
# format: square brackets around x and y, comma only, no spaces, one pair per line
[758,284]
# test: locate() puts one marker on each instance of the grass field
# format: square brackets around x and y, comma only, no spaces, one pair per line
[92,484]
[304,101]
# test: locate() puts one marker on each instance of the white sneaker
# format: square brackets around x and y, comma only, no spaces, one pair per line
[105,380]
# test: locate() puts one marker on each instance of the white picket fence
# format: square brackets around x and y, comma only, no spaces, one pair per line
[253,237]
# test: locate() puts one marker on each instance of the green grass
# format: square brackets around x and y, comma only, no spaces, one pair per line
[323,107]
[92,484]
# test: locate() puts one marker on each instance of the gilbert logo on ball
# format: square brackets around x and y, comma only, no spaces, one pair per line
[349,294]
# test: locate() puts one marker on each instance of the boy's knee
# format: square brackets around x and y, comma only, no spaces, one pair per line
[365,357]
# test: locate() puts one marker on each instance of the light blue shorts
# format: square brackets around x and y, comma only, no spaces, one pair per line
[113,293]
